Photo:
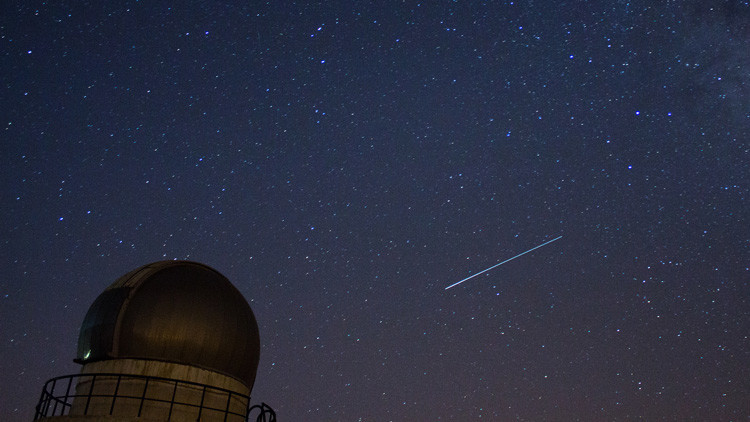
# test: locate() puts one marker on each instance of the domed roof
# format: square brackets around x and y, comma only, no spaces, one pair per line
[175,311]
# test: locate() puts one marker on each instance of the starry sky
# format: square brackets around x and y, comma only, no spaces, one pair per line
[343,162]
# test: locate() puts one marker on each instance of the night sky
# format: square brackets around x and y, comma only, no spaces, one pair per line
[343,162]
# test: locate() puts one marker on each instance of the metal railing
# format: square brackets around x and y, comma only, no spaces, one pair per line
[266,413]
[136,395]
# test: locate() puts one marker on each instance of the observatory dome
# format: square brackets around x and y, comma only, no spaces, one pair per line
[175,311]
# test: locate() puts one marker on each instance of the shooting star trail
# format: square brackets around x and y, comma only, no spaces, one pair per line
[497,265]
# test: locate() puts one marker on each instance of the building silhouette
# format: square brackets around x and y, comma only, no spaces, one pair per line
[169,341]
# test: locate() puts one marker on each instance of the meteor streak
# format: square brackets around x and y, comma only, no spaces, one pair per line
[497,265]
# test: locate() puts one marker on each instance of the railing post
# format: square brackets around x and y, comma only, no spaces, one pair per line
[203,396]
[67,391]
[91,391]
[41,402]
[114,396]
[143,397]
[229,401]
[171,402]
[54,383]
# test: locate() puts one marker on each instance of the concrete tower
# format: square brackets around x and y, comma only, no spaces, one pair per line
[169,341]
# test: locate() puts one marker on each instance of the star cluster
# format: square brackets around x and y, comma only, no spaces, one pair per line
[343,162]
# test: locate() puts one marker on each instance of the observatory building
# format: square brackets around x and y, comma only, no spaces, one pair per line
[169,341]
